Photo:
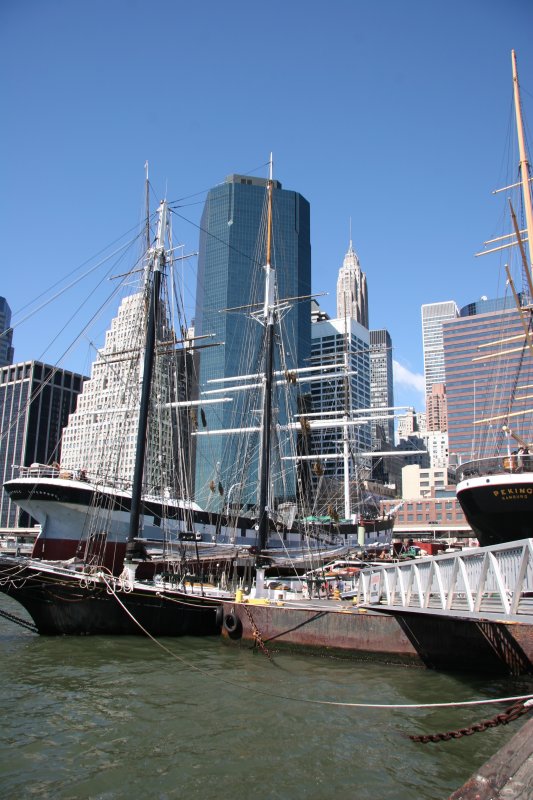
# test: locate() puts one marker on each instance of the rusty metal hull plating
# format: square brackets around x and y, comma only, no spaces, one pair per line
[436,642]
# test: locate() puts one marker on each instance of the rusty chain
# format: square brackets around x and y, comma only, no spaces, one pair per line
[512,713]
[256,633]
[19,621]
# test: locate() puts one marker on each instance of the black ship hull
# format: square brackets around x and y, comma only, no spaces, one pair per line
[80,604]
[498,508]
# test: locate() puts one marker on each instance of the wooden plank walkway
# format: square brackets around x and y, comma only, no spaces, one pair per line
[508,775]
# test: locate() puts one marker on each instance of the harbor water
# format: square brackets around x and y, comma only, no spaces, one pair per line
[119,717]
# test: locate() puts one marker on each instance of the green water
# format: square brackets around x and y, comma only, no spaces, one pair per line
[114,718]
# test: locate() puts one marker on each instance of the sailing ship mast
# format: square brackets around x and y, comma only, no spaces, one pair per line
[134,548]
[516,239]
[347,407]
[268,320]
[524,163]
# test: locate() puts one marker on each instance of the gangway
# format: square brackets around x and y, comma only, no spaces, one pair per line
[484,583]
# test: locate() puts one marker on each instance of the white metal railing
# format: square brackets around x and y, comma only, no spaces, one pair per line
[38,471]
[494,465]
[487,582]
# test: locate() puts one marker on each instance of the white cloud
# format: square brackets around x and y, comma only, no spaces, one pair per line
[411,380]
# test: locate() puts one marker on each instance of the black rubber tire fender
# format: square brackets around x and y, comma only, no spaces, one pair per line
[232,625]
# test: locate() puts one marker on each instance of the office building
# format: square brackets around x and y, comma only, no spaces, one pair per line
[419,483]
[488,375]
[332,341]
[231,276]
[436,408]
[6,334]
[317,313]
[433,316]
[411,422]
[35,401]
[381,387]
[352,299]
[437,514]
[485,305]
[437,446]
[101,435]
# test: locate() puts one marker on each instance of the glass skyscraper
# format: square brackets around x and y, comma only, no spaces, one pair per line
[6,334]
[433,315]
[331,340]
[231,276]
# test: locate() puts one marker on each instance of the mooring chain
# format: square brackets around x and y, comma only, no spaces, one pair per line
[257,634]
[512,713]
[12,618]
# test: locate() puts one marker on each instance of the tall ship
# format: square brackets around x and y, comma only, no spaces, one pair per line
[83,503]
[123,547]
[495,489]
[97,585]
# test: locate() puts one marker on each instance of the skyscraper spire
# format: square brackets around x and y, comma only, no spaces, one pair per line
[352,299]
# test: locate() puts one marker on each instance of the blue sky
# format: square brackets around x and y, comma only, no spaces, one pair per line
[392,113]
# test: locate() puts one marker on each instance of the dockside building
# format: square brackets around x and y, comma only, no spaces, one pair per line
[35,402]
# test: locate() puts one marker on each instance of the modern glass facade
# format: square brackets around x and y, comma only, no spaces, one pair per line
[35,402]
[486,386]
[484,306]
[231,276]
[6,334]
[433,316]
[329,345]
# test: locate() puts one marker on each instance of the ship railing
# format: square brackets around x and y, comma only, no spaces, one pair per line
[54,471]
[39,471]
[495,465]
[483,583]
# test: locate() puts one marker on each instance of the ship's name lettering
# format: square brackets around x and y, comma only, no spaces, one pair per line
[511,494]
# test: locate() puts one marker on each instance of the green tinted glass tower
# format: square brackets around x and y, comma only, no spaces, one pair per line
[231,276]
